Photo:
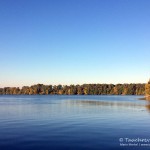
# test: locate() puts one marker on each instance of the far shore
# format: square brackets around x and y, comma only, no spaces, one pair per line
[145,98]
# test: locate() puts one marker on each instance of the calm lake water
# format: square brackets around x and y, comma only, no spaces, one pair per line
[45,122]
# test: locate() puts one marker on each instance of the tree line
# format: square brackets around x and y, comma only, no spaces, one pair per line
[85,89]
[147,89]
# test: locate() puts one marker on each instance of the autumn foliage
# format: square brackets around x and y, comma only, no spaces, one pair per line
[147,88]
[85,89]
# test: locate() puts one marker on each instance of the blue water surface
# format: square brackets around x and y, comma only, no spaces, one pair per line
[56,122]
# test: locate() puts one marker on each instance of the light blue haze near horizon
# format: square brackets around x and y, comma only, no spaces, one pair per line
[74,41]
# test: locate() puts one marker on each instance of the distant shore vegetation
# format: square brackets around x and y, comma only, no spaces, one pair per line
[85,89]
[147,89]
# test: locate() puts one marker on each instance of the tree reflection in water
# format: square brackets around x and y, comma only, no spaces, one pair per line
[118,104]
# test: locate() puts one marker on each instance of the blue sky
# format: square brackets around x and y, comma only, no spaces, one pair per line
[74,41]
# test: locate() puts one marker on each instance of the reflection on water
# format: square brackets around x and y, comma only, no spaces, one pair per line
[116,104]
[145,98]
[148,106]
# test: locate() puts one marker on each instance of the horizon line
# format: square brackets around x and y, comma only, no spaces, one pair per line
[67,84]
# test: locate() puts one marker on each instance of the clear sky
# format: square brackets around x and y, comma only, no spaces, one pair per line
[74,41]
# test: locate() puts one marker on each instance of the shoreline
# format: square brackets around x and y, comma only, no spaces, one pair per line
[145,98]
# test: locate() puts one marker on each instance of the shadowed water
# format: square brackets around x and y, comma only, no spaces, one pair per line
[72,122]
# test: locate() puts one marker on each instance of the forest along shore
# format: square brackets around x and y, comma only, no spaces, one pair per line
[85,89]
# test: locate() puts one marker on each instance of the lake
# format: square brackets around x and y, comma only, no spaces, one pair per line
[53,122]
